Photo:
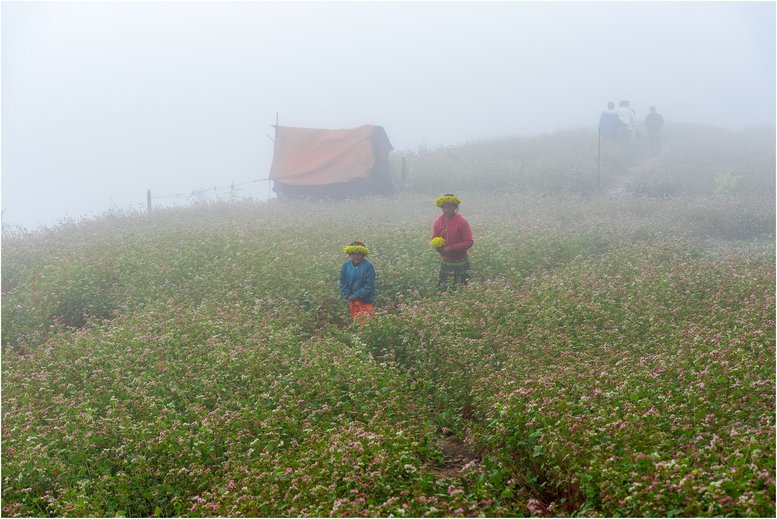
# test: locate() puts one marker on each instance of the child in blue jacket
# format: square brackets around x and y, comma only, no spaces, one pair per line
[357,282]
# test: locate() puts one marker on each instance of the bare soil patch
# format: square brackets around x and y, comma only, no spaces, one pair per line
[457,455]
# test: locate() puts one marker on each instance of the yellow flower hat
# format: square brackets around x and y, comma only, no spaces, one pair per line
[447,199]
[357,249]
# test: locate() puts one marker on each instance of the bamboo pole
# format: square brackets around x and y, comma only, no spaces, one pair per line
[404,174]
[599,159]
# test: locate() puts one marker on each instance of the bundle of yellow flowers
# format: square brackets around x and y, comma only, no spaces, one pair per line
[438,242]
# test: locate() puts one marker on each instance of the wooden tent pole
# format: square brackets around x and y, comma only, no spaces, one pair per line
[269,182]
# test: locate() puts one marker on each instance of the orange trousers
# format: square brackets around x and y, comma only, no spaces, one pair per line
[361,311]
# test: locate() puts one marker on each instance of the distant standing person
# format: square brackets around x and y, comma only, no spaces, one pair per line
[609,123]
[454,229]
[627,115]
[357,282]
[653,123]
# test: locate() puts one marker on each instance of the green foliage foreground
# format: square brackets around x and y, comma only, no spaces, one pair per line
[612,357]
[607,361]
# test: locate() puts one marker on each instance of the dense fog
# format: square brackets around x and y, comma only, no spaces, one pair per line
[102,101]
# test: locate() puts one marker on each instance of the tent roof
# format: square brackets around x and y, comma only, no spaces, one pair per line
[310,156]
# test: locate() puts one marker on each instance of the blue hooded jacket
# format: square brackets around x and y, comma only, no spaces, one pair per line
[358,280]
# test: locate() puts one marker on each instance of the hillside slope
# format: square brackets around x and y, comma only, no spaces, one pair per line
[612,356]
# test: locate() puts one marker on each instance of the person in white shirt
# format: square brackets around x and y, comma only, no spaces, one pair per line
[627,115]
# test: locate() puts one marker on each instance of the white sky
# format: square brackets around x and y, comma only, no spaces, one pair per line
[104,100]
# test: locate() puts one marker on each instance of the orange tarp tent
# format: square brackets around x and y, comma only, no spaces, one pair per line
[316,157]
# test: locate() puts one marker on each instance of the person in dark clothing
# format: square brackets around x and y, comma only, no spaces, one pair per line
[609,123]
[653,123]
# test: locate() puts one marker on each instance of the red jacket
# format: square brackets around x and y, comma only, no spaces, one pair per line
[457,234]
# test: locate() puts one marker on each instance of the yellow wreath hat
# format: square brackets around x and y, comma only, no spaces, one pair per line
[447,199]
[357,249]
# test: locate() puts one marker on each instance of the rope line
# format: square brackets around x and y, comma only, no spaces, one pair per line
[203,191]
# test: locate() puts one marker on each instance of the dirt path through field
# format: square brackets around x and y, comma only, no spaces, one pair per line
[620,188]
[457,456]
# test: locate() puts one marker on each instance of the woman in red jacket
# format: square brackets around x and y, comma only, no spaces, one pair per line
[455,231]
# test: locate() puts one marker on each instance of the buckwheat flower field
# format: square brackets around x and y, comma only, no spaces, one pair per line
[613,355]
